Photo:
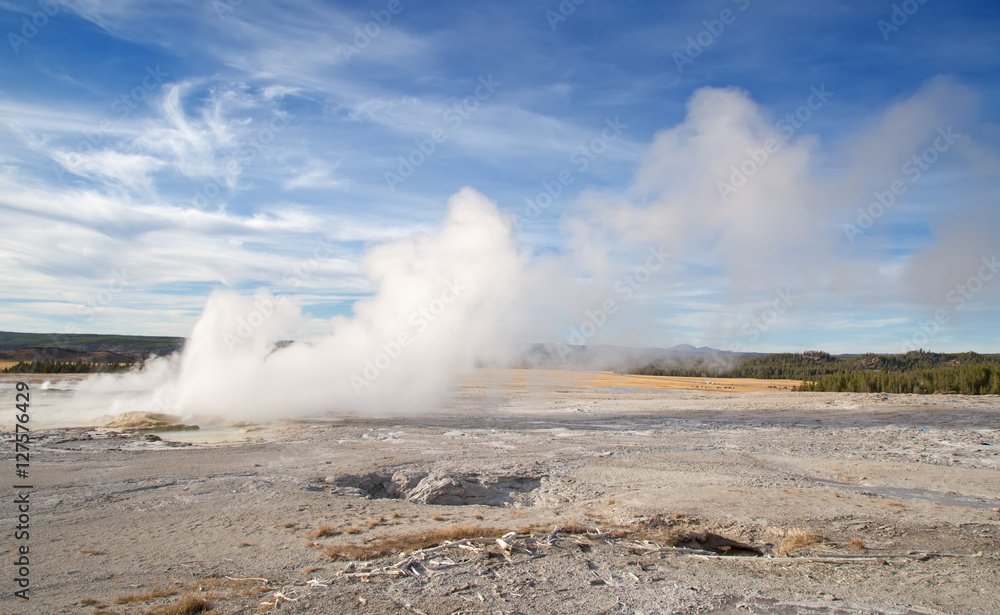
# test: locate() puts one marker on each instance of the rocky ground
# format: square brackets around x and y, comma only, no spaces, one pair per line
[604,502]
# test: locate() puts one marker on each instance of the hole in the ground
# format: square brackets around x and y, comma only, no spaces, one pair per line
[441,488]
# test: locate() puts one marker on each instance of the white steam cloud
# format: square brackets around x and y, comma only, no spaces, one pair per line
[470,294]
[443,303]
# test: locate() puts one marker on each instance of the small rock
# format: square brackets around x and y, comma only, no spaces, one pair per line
[353,491]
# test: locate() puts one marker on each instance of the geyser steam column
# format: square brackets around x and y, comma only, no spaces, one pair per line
[444,302]
[422,319]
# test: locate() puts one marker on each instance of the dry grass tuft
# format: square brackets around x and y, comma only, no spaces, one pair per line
[379,522]
[655,529]
[389,545]
[91,552]
[659,529]
[796,539]
[150,595]
[324,531]
[574,527]
[189,605]
[857,543]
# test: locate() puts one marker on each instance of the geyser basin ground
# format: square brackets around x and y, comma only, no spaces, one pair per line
[875,476]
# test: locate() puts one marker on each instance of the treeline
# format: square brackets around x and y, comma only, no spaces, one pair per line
[50,366]
[802,366]
[132,345]
[914,372]
[964,379]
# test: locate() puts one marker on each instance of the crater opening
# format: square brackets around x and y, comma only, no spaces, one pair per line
[441,488]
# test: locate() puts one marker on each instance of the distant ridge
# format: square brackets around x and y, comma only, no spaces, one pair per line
[138,346]
[604,357]
[544,355]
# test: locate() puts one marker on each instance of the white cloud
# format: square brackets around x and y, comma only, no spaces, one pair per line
[314,174]
[130,170]
[780,226]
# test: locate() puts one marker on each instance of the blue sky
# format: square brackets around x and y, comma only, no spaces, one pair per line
[151,152]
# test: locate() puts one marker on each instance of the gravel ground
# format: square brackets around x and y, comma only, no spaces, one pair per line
[878,504]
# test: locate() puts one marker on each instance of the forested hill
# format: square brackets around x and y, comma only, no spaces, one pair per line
[913,372]
[138,346]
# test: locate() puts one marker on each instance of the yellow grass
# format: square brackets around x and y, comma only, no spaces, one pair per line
[150,595]
[324,531]
[796,539]
[189,605]
[580,380]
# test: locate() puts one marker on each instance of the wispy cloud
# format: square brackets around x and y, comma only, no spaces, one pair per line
[222,144]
